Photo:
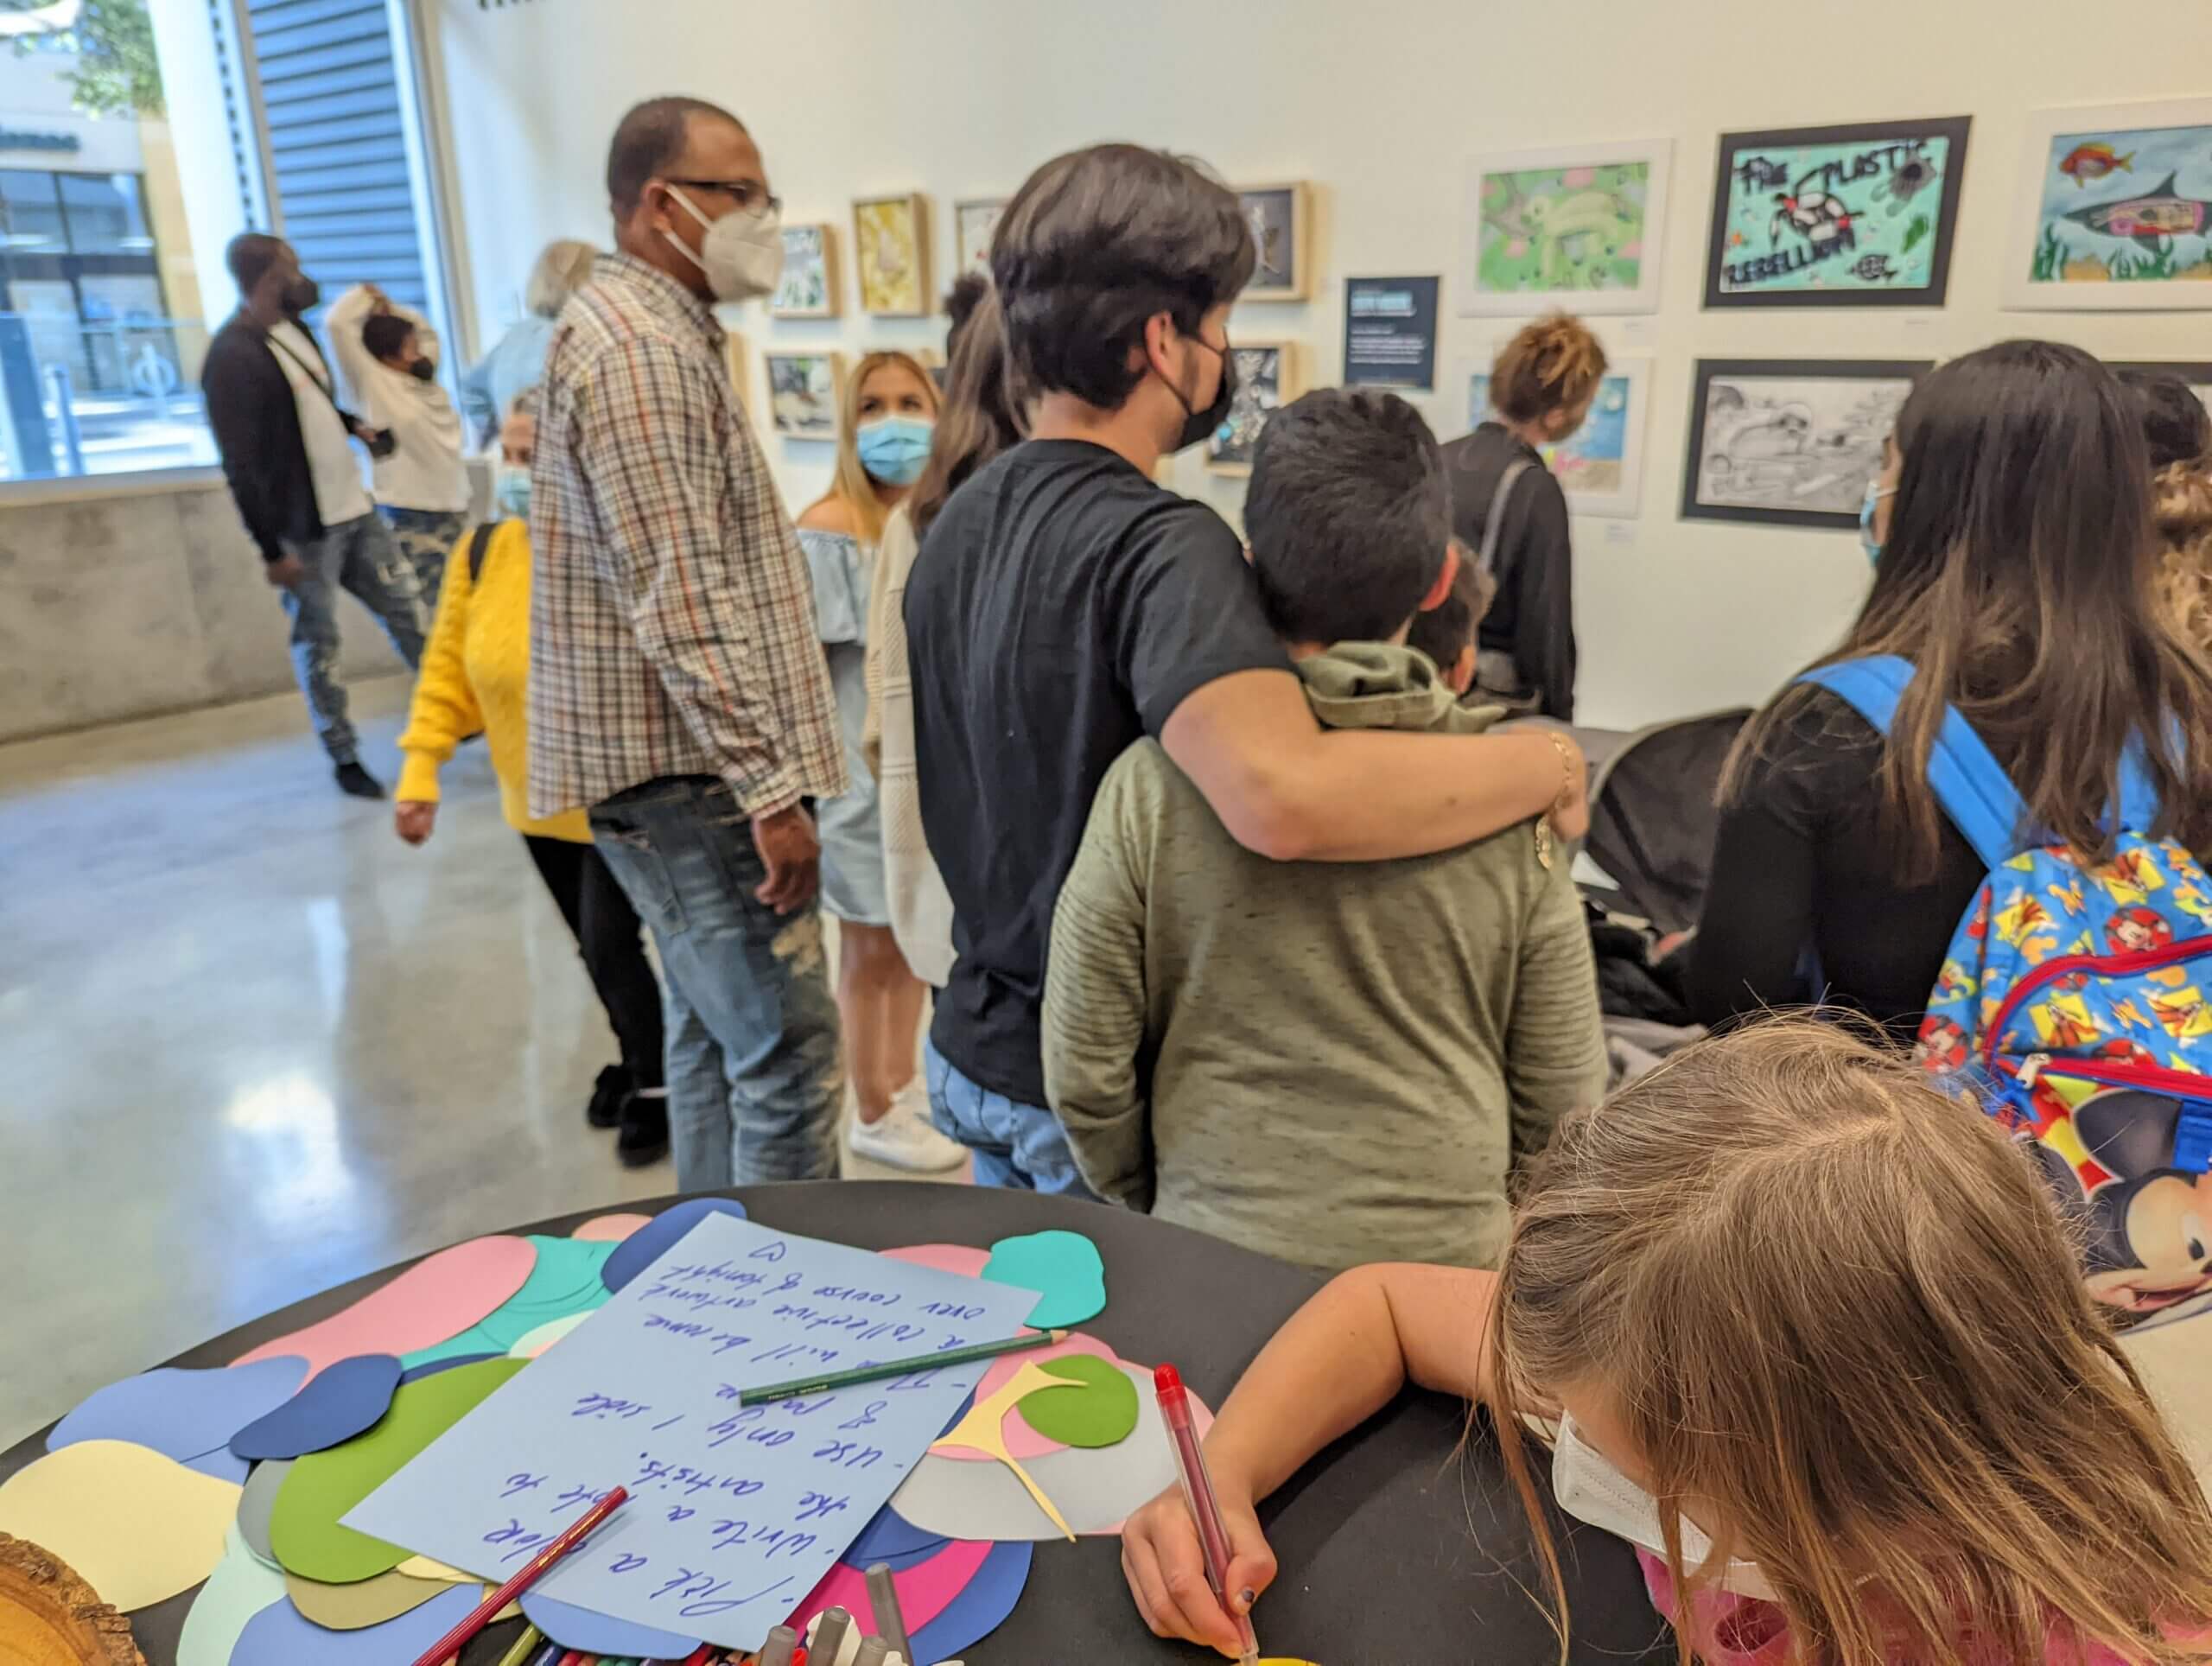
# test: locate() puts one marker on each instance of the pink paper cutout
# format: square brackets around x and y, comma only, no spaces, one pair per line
[945,1257]
[1021,1441]
[925,1590]
[432,1302]
[610,1228]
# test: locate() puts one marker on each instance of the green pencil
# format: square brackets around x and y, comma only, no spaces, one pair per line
[807,1385]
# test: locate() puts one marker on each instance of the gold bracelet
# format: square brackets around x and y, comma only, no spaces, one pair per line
[1566,769]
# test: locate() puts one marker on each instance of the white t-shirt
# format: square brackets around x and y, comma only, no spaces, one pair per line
[338,493]
[426,471]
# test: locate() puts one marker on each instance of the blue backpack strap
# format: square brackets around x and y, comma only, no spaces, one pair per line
[2138,794]
[1969,782]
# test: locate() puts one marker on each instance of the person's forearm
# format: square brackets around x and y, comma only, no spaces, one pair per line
[1366,795]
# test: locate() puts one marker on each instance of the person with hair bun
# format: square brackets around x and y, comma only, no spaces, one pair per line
[1509,511]
[2179,431]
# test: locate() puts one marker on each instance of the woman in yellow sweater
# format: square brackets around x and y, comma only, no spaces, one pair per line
[474,678]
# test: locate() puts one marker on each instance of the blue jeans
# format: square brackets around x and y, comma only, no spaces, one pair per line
[755,1077]
[356,556]
[1019,1146]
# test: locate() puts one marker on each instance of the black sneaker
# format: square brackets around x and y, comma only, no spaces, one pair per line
[615,1085]
[358,783]
[644,1138]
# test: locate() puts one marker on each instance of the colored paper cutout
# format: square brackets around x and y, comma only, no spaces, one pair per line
[256,1501]
[240,1587]
[651,1242]
[1064,1266]
[363,1603]
[341,1403]
[648,1394]
[304,1528]
[610,1228]
[1023,1442]
[1094,1491]
[281,1636]
[563,1282]
[1097,1408]
[945,1257]
[602,1634]
[926,1589]
[537,1341]
[979,1609]
[422,1567]
[416,1373]
[980,1430]
[888,1537]
[190,1416]
[440,1296]
[137,1525]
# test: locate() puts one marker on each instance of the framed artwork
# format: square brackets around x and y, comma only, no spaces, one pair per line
[1857,216]
[1266,381]
[973,224]
[2196,372]
[808,288]
[1600,465]
[891,246]
[1791,441]
[805,392]
[1578,228]
[1278,216]
[2117,210]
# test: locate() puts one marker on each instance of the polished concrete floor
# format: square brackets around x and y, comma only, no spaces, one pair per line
[252,1045]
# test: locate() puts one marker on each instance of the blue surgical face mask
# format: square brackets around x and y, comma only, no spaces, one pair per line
[511,491]
[1875,492]
[894,449]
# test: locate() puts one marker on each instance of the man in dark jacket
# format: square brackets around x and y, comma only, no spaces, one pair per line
[285,444]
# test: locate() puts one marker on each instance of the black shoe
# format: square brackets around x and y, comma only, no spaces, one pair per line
[358,783]
[615,1085]
[644,1138]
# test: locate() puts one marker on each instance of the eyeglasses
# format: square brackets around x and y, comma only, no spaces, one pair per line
[752,198]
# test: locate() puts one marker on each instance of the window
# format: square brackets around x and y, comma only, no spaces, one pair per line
[120,188]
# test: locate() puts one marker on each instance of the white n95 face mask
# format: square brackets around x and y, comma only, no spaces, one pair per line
[742,254]
[1590,1489]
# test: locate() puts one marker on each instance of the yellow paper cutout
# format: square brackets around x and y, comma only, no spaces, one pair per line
[422,1567]
[361,1604]
[983,1430]
[137,1525]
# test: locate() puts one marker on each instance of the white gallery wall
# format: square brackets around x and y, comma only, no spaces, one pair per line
[1379,106]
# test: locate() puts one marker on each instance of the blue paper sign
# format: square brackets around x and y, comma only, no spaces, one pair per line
[736,1513]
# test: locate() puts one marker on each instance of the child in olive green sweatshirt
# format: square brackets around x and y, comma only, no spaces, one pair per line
[1330,1062]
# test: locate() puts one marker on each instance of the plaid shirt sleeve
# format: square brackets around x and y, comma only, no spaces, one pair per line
[690,556]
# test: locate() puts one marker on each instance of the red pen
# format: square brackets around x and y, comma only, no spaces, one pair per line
[1198,1493]
[574,1534]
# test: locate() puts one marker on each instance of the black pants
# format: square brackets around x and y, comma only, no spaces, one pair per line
[607,929]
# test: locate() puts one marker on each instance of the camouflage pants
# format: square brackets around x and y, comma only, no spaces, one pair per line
[356,556]
[426,537]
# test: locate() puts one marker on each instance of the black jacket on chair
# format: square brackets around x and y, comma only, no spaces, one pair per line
[256,418]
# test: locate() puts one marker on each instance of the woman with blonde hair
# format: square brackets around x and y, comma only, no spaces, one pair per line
[515,363]
[1814,1340]
[1509,511]
[883,443]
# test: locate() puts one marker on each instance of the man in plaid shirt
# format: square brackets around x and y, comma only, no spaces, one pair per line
[677,689]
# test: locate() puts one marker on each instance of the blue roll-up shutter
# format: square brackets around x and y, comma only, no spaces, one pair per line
[339,189]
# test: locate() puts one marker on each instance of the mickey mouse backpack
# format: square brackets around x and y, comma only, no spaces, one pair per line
[2072,1007]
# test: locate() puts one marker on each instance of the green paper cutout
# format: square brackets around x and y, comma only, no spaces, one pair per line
[304,1530]
[1098,1408]
[1062,1266]
[563,1282]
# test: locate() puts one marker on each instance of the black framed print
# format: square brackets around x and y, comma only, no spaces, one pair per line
[1791,441]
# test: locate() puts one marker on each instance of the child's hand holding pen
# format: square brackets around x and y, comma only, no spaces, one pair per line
[1165,1566]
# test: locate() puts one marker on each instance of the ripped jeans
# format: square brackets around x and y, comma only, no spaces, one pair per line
[756,1075]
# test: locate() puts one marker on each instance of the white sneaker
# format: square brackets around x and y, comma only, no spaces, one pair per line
[904,1139]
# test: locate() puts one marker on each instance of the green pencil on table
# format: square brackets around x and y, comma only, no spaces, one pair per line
[876,1373]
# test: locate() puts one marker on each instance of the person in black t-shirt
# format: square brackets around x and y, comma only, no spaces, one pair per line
[1510,511]
[1062,604]
[2010,529]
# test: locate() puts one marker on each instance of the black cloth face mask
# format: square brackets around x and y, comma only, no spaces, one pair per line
[1198,424]
[301,295]
[423,370]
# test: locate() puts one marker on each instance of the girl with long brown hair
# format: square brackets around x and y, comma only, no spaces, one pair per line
[2178,430]
[1812,1338]
[1511,514]
[2015,571]
[883,444]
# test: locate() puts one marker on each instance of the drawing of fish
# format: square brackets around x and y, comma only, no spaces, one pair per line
[2095,161]
[2149,218]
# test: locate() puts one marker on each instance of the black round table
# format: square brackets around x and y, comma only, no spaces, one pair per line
[1392,1548]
